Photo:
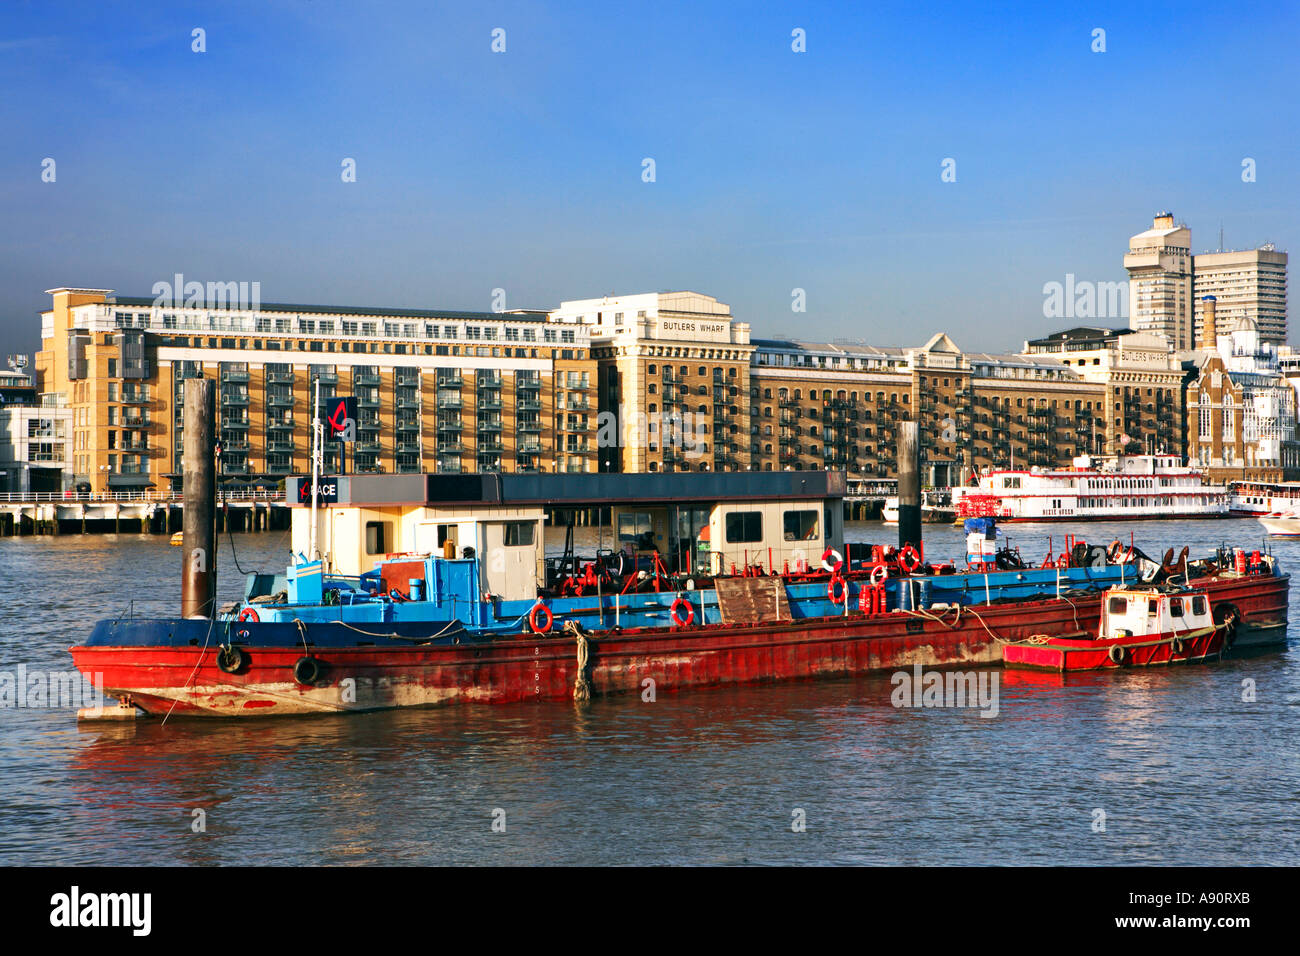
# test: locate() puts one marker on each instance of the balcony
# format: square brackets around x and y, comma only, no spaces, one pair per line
[528,446]
[408,401]
[490,447]
[449,400]
[136,398]
[362,379]
[235,423]
[234,400]
[136,421]
[280,426]
[530,427]
[449,425]
[487,381]
[367,447]
[489,426]
[450,447]
[138,446]
[279,378]
[280,447]
[449,466]
[489,401]
[325,378]
[408,447]
[528,384]
[367,402]
[449,381]
[528,404]
[279,401]
[235,376]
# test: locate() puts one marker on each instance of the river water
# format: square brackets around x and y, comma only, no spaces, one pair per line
[1167,766]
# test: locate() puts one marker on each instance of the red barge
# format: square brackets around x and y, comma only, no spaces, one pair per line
[419,630]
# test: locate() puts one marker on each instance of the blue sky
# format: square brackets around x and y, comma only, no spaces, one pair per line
[522,170]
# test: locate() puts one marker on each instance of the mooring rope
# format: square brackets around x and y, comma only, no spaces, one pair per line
[581,685]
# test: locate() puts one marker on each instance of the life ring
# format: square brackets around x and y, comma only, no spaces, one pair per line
[1118,653]
[1114,550]
[914,564]
[690,612]
[308,670]
[878,574]
[839,561]
[532,618]
[231,659]
[248,614]
[844,589]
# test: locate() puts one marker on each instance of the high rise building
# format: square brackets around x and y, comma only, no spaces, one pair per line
[1159,264]
[1249,287]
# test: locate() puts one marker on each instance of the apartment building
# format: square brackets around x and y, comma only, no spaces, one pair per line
[1159,264]
[437,391]
[35,442]
[838,405]
[1248,285]
[674,380]
[1142,377]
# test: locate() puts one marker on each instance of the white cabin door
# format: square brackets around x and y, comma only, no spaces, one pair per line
[509,559]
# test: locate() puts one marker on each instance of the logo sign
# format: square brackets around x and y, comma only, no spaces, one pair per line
[327,491]
[340,416]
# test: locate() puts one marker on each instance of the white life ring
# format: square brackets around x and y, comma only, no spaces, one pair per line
[839,560]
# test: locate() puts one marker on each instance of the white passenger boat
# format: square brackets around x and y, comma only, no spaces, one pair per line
[1124,487]
[1281,524]
[936,508]
[1258,499]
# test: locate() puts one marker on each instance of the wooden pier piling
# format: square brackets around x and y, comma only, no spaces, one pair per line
[909,484]
[198,521]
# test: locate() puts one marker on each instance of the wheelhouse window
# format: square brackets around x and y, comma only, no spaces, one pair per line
[744,527]
[1118,605]
[519,534]
[800,525]
[378,535]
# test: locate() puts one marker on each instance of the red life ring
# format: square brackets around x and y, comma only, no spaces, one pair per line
[878,574]
[910,566]
[844,590]
[680,603]
[532,619]
[248,614]
[839,561]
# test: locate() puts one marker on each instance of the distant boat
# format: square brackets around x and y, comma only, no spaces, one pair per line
[934,509]
[1281,524]
[177,539]
[1130,486]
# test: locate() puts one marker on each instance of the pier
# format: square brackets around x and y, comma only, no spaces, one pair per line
[134,512]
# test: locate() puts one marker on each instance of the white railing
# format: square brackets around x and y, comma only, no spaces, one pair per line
[72,497]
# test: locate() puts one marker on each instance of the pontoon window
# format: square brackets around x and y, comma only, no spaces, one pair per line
[519,534]
[1118,605]
[378,534]
[744,527]
[1198,605]
[800,525]
[635,528]
[1175,607]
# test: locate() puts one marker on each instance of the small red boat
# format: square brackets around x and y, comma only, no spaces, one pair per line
[1140,627]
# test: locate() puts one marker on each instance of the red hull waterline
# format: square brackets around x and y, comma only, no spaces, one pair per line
[185,681]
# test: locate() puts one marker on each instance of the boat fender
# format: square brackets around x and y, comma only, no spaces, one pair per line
[308,670]
[532,618]
[839,561]
[1118,653]
[910,559]
[878,574]
[1177,645]
[248,614]
[843,589]
[231,659]
[677,616]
